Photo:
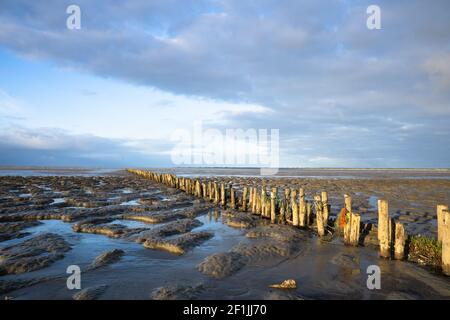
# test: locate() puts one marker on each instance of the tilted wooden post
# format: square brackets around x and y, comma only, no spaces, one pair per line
[319,215]
[446,243]
[325,207]
[273,197]
[400,240]
[440,219]
[295,220]
[383,229]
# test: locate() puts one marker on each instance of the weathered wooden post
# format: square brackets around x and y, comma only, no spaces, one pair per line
[446,243]
[210,191]
[440,219]
[198,192]
[348,202]
[308,213]
[250,200]
[254,201]
[244,198]
[383,229]
[325,207]
[348,218]
[216,193]
[302,208]
[273,198]
[400,240]
[205,190]
[232,198]
[287,198]
[319,215]
[295,218]
[223,194]
[267,209]
[258,204]
[355,228]
[263,200]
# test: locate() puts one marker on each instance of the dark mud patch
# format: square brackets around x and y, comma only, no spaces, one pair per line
[32,254]
[180,244]
[11,285]
[221,265]
[168,215]
[103,227]
[91,293]
[177,292]
[13,230]
[107,258]
[243,220]
[169,229]
[277,232]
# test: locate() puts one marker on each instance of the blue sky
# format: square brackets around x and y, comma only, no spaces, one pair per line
[113,93]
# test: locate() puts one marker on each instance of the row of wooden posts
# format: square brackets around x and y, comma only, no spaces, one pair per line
[297,211]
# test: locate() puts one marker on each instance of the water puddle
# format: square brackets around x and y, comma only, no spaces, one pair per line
[57,201]
[131,203]
[132,224]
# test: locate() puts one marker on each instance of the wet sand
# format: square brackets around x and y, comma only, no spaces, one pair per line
[174,246]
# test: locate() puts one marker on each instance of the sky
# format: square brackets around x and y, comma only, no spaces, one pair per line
[113,93]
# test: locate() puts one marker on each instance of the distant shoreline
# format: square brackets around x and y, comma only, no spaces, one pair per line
[81,169]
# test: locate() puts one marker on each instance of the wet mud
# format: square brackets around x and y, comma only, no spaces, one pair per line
[137,239]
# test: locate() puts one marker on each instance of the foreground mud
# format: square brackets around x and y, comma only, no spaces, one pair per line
[134,238]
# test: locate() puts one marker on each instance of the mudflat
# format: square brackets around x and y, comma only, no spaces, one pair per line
[134,238]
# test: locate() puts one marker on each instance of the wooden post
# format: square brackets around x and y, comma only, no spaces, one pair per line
[302,208]
[210,191]
[273,197]
[267,207]
[325,207]
[258,204]
[400,240]
[250,195]
[446,243]
[295,220]
[198,192]
[287,211]
[355,228]
[263,201]
[216,193]
[348,218]
[308,213]
[383,229]
[319,215]
[440,219]
[232,198]
[348,202]
[255,200]
[205,190]
[244,199]
[223,194]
